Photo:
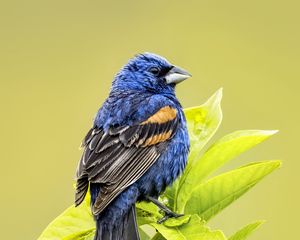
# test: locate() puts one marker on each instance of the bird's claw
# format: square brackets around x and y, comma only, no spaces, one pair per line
[169,215]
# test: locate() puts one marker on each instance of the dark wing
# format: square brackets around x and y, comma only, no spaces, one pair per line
[119,157]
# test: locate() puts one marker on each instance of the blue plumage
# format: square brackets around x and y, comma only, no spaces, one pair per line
[140,127]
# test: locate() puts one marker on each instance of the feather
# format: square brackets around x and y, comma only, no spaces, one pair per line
[119,157]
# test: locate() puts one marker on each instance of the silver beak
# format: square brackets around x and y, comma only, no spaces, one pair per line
[176,75]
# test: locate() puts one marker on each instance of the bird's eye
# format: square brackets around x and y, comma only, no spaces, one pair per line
[154,70]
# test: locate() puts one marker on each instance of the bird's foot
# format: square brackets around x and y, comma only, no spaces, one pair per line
[169,215]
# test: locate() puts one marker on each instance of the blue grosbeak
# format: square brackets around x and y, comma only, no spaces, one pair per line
[137,146]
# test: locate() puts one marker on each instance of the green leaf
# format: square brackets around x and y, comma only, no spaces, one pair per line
[84,235]
[147,212]
[143,234]
[202,121]
[211,197]
[158,236]
[148,207]
[194,229]
[73,223]
[217,155]
[175,222]
[244,232]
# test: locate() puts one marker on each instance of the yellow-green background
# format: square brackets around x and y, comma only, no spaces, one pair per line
[57,60]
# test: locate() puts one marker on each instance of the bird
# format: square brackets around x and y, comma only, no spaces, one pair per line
[138,145]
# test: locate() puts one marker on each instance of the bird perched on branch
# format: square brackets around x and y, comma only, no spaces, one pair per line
[137,146]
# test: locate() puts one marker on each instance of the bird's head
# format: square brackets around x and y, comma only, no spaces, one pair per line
[149,72]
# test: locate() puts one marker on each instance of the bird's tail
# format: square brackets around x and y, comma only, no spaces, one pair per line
[127,230]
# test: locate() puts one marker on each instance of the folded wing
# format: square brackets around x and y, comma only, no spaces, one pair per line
[119,157]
